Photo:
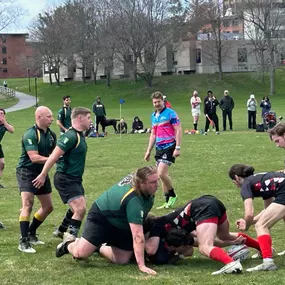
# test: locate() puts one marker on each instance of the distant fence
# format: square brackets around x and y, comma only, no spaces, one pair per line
[7,92]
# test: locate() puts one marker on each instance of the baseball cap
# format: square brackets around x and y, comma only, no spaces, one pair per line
[252,96]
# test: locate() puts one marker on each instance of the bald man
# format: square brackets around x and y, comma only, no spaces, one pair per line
[38,143]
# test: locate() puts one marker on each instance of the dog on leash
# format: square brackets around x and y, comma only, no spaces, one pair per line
[112,122]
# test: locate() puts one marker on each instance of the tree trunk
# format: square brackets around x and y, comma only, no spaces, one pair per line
[135,69]
[108,78]
[83,73]
[50,77]
[262,67]
[94,76]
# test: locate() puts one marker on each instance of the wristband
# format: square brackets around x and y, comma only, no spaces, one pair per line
[177,147]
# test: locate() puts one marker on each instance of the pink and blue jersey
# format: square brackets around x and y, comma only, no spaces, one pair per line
[163,127]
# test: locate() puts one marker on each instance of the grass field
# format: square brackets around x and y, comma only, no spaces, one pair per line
[201,169]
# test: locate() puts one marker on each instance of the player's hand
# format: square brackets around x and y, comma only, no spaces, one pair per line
[238,240]
[147,270]
[176,153]
[147,156]
[39,181]
[241,224]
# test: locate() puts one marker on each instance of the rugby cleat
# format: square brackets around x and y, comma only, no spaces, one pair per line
[58,233]
[33,239]
[265,266]
[231,268]
[25,246]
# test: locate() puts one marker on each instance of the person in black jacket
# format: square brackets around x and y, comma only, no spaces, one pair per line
[100,113]
[210,109]
[227,104]
[137,126]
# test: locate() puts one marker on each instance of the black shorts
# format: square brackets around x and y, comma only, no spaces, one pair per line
[280,195]
[25,177]
[208,209]
[1,152]
[68,187]
[165,155]
[98,230]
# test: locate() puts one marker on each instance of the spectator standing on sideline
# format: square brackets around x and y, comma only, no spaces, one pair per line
[100,113]
[70,154]
[210,111]
[64,115]
[251,110]
[166,102]
[265,105]
[195,102]
[166,135]
[38,143]
[5,85]
[4,127]
[227,104]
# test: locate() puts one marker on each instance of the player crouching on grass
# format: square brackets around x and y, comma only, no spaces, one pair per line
[116,218]
[207,215]
[270,186]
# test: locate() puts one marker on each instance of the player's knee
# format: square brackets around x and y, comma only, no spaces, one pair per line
[204,249]
[122,259]
[2,165]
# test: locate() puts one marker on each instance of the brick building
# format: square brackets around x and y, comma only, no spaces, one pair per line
[11,47]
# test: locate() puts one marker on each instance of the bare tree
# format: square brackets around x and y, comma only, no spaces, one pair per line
[267,19]
[10,13]
[206,16]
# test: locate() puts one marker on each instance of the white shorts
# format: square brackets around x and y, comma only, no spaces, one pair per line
[196,113]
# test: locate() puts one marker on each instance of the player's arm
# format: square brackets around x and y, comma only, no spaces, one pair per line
[59,123]
[8,127]
[139,246]
[248,213]
[150,145]
[178,139]
[53,158]
[35,157]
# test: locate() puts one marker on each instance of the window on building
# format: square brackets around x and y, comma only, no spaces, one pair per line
[4,50]
[282,58]
[4,60]
[5,69]
[235,32]
[242,55]
[3,38]
[226,23]
[236,22]
[198,55]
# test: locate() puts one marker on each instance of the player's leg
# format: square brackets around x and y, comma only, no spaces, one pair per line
[271,215]
[2,164]
[45,209]
[116,255]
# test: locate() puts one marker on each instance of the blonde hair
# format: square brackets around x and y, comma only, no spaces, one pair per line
[79,111]
[141,175]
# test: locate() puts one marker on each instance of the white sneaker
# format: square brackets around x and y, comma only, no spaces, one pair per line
[258,254]
[25,246]
[281,253]
[265,266]
[233,267]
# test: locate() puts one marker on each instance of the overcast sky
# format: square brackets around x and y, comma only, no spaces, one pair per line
[33,7]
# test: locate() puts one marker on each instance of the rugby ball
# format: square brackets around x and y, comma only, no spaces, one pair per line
[240,252]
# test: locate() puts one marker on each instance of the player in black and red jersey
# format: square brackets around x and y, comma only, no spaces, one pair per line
[206,219]
[271,187]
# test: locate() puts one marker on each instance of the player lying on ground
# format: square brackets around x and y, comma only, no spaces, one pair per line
[207,215]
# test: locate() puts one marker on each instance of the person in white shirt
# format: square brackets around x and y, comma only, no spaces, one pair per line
[251,109]
[195,102]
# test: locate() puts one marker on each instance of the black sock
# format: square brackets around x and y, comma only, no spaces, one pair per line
[171,193]
[74,227]
[66,221]
[37,221]
[24,228]
[195,127]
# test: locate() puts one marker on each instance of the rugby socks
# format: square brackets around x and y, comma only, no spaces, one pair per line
[220,255]
[250,242]
[74,227]
[37,221]
[66,221]
[169,194]
[195,127]
[24,226]
[265,243]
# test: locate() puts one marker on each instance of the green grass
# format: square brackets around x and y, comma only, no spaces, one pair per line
[201,169]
